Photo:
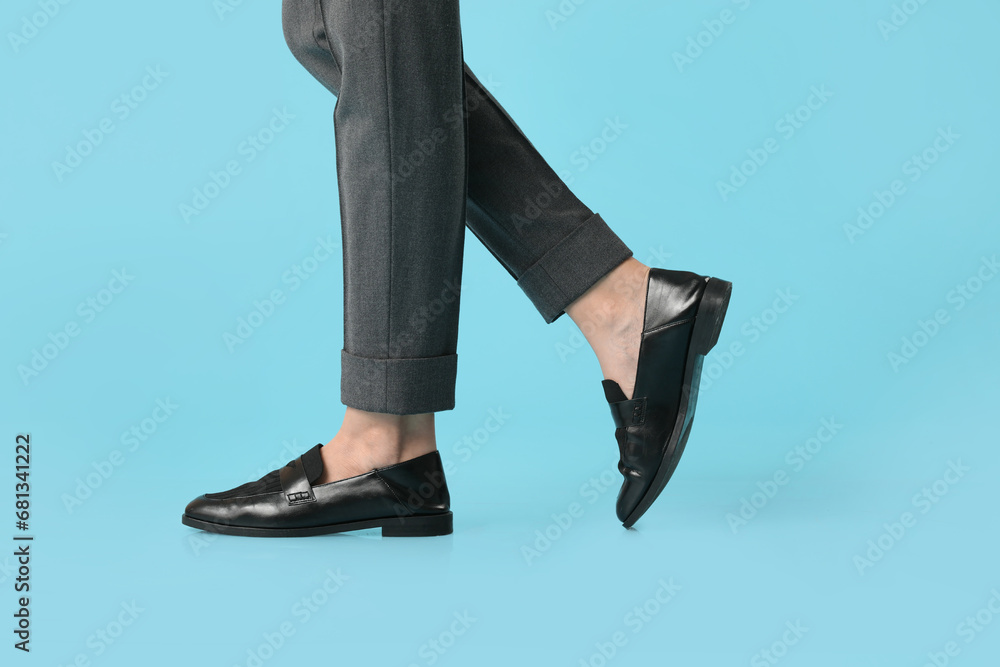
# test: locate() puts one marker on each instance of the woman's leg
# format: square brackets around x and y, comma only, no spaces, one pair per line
[546,238]
[563,256]
[397,69]
[559,251]
[401,65]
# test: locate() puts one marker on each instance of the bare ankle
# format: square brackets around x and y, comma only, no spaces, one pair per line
[369,440]
[610,305]
[601,305]
[402,425]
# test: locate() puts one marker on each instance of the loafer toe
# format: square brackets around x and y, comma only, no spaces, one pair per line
[204,508]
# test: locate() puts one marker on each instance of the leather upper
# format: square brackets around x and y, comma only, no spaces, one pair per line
[410,488]
[645,423]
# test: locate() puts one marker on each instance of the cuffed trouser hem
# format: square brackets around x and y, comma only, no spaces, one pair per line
[570,267]
[398,386]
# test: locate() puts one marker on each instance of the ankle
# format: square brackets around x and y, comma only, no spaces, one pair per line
[386,438]
[602,308]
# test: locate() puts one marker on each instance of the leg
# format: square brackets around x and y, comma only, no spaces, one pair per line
[555,247]
[397,70]
[564,257]
[649,328]
[547,239]
[401,65]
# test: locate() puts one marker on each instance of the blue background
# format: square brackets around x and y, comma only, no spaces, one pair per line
[210,600]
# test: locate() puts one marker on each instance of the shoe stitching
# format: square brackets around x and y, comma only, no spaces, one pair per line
[403,505]
[668,325]
[388,487]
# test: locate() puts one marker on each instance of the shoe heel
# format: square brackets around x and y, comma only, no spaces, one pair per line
[711,313]
[418,526]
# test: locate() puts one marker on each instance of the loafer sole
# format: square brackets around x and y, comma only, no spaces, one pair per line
[408,526]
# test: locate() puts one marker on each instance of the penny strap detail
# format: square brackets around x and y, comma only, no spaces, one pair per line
[297,477]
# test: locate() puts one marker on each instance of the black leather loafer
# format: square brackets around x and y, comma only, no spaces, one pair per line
[684,314]
[409,499]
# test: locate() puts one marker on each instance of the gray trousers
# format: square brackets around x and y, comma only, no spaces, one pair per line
[423,149]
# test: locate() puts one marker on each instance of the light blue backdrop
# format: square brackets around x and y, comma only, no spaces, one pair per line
[837,503]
